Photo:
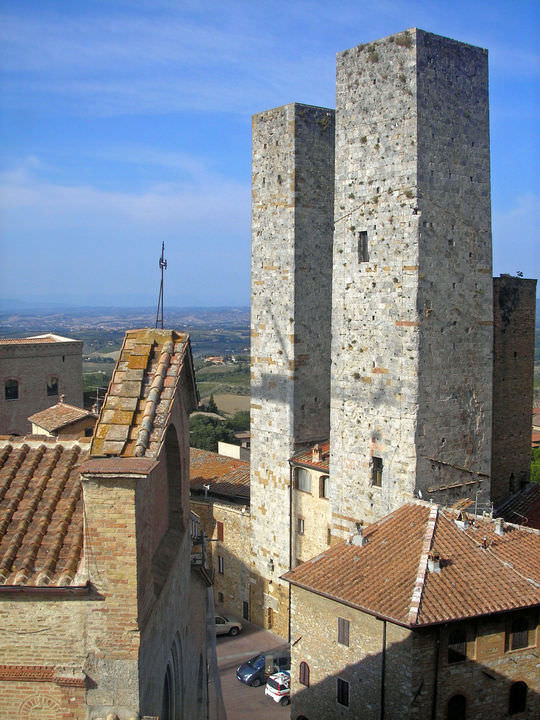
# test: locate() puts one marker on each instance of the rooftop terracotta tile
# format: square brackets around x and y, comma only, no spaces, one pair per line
[226,476]
[41,517]
[309,456]
[136,409]
[485,566]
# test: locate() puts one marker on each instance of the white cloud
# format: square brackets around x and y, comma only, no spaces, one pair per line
[101,241]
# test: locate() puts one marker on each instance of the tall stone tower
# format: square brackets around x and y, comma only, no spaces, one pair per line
[412,287]
[292,216]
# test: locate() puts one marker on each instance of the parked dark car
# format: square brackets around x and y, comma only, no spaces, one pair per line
[257,669]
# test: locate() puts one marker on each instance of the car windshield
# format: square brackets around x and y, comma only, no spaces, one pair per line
[256,662]
[274,684]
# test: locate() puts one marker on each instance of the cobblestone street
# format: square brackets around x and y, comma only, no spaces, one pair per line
[241,701]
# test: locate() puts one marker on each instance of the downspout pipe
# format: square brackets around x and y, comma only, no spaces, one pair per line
[290,539]
[383,672]
[435,674]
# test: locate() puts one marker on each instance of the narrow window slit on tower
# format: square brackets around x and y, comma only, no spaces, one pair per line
[363,252]
[376,471]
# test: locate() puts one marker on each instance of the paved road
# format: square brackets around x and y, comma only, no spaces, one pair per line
[243,702]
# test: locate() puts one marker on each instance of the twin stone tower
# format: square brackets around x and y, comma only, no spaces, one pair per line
[372,315]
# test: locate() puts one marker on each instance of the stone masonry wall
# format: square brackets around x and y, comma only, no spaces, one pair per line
[32,365]
[484,678]
[315,511]
[290,325]
[314,640]
[233,583]
[411,324]
[514,301]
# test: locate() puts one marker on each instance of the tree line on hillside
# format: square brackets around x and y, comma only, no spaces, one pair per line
[205,432]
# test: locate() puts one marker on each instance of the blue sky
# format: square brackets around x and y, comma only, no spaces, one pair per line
[125,123]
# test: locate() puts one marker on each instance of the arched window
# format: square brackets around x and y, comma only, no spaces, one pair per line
[11,389]
[457,646]
[304,674]
[517,701]
[518,636]
[457,708]
[174,479]
[302,479]
[52,386]
[166,707]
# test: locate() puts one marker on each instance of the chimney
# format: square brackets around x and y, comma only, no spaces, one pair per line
[316,453]
[499,526]
[61,398]
[358,537]
[434,562]
[462,521]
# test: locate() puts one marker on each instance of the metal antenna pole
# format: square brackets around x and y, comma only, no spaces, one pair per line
[162,267]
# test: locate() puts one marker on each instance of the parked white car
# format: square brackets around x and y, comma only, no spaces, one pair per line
[278,687]
[224,626]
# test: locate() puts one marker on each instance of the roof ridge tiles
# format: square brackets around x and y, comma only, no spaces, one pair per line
[152,400]
[416,599]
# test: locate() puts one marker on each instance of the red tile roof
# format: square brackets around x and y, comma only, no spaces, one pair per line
[41,516]
[135,413]
[523,507]
[226,476]
[58,416]
[305,457]
[481,572]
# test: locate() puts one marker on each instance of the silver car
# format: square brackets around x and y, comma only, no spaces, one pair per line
[224,626]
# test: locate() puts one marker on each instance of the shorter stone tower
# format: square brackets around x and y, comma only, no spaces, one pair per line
[292,214]
[514,301]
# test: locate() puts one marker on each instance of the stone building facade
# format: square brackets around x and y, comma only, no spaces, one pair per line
[34,372]
[96,555]
[64,421]
[220,498]
[421,616]
[514,305]
[292,214]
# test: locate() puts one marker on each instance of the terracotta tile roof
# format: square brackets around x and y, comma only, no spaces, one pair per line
[305,457]
[523,507]
[41,516]
[58,416]
[135,412]
[226,476]
[481,572]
